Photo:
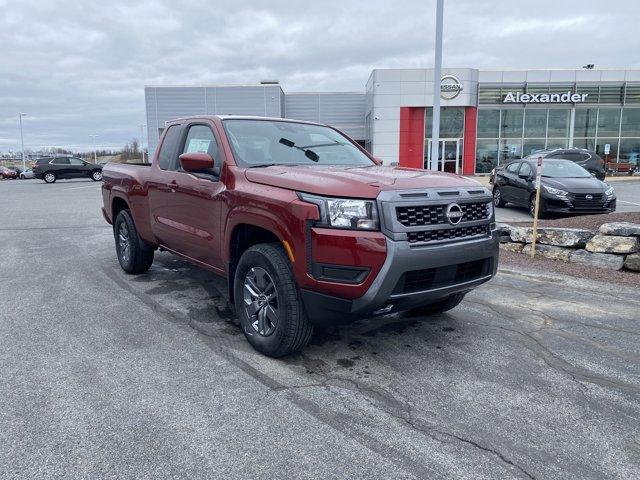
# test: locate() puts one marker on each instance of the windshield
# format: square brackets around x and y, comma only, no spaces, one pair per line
[563,169]
[267,142]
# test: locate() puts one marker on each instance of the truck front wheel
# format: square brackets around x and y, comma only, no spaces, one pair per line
[267,302]
[440,306]
[134,255]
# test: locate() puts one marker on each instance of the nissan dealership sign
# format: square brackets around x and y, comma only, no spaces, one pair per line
[450,87]
[567,97]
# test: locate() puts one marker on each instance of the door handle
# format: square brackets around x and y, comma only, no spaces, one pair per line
[172,186]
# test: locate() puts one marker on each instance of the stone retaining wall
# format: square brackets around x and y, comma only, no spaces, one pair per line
[614,246]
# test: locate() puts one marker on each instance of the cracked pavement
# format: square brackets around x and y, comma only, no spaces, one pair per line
[105,375]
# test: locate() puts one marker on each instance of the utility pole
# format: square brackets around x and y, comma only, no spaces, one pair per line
[24,166]
[95,149]
[437,79]
[142,125]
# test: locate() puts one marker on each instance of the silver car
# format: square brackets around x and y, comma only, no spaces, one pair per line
[27,174]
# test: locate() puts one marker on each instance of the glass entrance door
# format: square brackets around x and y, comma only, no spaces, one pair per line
[449,155]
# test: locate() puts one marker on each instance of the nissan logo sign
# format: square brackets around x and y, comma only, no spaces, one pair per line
[589,197]
[450,87]
[453,213]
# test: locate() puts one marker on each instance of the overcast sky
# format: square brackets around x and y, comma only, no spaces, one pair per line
[79,68]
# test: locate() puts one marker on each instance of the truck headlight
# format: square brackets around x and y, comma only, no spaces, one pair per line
[555,191]
[609,192]
[347,213]
[490,210]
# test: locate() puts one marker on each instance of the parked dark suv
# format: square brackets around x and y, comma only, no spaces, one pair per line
[588,159]
[51,169]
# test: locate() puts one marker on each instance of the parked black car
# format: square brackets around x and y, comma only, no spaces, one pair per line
[566,188]
[51,169]
[588,159]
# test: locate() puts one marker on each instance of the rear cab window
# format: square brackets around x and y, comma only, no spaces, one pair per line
[167,157]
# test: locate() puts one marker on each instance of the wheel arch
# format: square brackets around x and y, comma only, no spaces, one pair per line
[242,237]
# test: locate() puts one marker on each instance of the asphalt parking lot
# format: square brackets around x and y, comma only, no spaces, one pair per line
[108,375]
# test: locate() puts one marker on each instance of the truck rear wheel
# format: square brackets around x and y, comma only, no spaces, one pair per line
[267,302]
[440,306]
[134,255]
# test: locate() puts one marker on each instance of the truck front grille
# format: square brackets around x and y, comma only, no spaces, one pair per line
[430,278]
[447,233]
[417,216]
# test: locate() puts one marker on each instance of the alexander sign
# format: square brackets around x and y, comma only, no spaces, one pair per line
[567,97]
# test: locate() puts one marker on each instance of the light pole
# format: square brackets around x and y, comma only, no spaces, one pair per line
[437,79]
[20,115]
[142,125]
[95,149]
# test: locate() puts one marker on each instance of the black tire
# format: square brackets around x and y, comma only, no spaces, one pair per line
[542,211]
[49,177]
[285,326]
[440,306]
[137,257]
[96,175]
[497,198]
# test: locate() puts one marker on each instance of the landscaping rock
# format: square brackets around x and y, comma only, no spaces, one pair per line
[620,228]
[560,237]
[550,251]
[632,262]
[512,247]
[598,260]
[613,244]
[520,234]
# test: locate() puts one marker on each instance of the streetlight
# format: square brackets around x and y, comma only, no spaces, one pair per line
[95,150]
[20,115]
[437,80]
[142,125]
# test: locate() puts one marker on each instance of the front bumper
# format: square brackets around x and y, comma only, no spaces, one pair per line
[556,205]
[412,276]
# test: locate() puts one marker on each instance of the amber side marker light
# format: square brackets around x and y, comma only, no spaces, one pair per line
[287,247]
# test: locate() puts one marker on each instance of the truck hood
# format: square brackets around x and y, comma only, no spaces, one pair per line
[357,182]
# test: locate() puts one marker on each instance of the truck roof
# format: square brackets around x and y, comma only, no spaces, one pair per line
[241,117]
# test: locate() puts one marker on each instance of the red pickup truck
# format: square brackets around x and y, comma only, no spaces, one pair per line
[307,226]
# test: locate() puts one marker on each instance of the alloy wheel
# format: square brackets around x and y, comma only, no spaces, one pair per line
[49,177]
[496,197]
[123,242]
[261,301]
[97,176]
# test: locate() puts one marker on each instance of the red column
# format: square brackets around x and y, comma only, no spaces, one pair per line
[411,152]
[469,143]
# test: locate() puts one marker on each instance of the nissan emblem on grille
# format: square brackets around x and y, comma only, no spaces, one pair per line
[589,197]
[453,213]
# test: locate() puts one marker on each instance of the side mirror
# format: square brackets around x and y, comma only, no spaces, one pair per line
[195,161]
[377,161]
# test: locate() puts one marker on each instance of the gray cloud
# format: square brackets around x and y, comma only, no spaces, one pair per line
[79,68]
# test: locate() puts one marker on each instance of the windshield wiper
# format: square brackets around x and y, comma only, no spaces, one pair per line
[310,154]
[262,165]
[335,142]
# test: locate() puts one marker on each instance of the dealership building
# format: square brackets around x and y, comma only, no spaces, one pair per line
[488,117]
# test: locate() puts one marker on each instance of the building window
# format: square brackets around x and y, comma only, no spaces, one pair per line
[511,124]
[558,125]
[608,122]
[486,155]
[451,122]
